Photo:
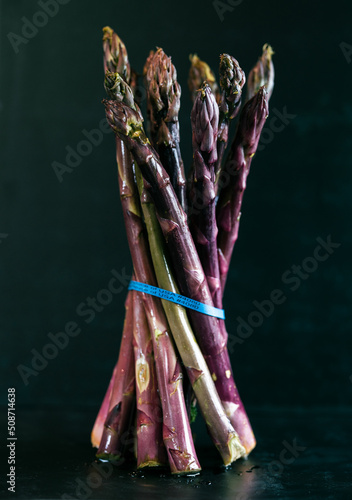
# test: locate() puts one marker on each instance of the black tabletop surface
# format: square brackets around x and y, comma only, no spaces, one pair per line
[300,454]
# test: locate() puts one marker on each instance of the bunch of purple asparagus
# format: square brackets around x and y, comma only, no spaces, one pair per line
[181,236]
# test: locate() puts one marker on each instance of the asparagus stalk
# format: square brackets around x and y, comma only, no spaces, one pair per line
[122,396]
[164,94]
[176,428]
[127,124]
[150,447]
[219,426]
[98,427]
[115,58]
[232,79]
[262,74]
[204,120]
[244,146]
[199,73]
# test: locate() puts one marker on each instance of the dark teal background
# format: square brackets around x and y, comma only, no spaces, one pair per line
[65,238]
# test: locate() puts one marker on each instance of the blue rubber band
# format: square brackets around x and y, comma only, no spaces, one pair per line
[177,299]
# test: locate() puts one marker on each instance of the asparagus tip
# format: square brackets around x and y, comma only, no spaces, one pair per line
[262,73]
[199,72]
[107,33]
[204,120]
[115,54]
[232,80]
[268,51]
[163,89]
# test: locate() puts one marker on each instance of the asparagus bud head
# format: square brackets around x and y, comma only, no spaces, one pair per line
[232,80]
[200,72]
[204,120]
[262,73]
[253,117]
[115,54]
[163,89]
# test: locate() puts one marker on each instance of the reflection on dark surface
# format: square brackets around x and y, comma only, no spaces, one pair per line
[55,460]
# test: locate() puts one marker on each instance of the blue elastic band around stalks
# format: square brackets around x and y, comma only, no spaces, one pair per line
[177,299]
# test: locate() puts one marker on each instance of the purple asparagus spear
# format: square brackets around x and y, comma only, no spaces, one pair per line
[200,72]
[164,94]
[122,396]
[150,447]
[262,74]
[204,120]
[98,427]
[244,146]
[115,54]
[115,57]
[232,79]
